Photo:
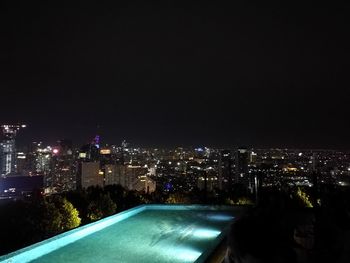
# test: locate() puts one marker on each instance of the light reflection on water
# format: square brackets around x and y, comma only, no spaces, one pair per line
[165,235]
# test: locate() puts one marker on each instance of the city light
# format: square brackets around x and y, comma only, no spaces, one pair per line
[241,108]
[105,151]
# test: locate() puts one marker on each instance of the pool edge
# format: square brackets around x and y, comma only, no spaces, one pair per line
[55,242]
[36,250]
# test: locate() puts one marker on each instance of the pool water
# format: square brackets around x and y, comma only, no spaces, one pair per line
[150,234]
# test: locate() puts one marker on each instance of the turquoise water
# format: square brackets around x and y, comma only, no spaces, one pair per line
[155,234]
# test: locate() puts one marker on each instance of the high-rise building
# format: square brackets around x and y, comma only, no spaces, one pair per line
[145,184]
[89,153]
[63,168]
[37,160]
[91,175]
[132,175]
[253,157]
[242,166]
[8,148]
[115,174]
[21,163]
[208,181]
[42,161]
[225,170]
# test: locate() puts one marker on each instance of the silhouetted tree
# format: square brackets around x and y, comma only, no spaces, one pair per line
[80,201]
[117,194]
[101,206]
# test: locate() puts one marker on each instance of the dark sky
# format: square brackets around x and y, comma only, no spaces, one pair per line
[174,73]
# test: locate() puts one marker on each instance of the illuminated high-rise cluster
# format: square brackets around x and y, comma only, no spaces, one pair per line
[8,148]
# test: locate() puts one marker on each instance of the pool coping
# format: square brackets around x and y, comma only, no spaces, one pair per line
[204,257]
[32,252]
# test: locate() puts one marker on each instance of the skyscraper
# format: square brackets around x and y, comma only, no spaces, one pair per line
[225,170]
[62,175]
[8,148]
[242,166]
[90,175]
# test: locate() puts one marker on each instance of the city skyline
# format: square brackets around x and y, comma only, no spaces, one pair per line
[174,131]
[170,74]
[24,140]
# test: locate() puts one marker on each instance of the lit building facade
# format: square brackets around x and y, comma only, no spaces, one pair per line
[115,174]
[61,176]
[8,149]
[242,166]
[145,184]
[43,158]
[91,175]
[225,175]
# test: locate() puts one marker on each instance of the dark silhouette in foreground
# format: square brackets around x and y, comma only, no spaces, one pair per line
[259,238]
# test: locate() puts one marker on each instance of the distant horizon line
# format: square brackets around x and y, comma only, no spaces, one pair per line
[140,146]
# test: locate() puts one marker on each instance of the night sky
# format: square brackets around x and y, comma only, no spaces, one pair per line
[172,73]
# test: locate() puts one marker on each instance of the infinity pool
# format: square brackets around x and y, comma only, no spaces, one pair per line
[149,233]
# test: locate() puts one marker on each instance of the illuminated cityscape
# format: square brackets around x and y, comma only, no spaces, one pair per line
[127,175]
[171,132]
[64,167]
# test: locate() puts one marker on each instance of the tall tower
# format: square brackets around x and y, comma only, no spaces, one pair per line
[242,166]
[8,148]
[225,170]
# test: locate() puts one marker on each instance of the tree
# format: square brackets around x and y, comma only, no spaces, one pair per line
[80,200]
[70,215]
[67,214]
[50,219]
[239,201]
[304,198]
[102,206]
[133,198]
[178,198]
[117,194]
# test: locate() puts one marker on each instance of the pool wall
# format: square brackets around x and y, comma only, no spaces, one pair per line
[204,256]
[39,249]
